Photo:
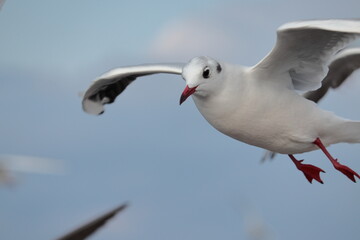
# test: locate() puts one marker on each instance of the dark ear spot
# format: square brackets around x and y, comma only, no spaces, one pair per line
[218,68]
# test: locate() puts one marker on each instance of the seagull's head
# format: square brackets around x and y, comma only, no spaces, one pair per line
[201,75]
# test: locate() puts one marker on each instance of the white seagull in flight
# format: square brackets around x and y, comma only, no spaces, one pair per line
[260,105]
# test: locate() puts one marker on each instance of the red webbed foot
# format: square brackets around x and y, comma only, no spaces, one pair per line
[342,168]
[345,170]
[310,171]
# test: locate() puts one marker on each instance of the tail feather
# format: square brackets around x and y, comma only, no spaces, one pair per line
[348,131]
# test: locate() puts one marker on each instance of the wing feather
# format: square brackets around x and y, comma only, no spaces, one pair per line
[107,87]
[303,50]
[340,68]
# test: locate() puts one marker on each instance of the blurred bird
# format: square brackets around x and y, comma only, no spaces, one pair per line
[91,227]
[260,105]
[27,164]
[1,3]
[5,176]
[256,227]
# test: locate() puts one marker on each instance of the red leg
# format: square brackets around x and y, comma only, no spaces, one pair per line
[310,171]
[342,168]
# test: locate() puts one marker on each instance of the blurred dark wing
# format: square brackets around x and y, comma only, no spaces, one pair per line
[88,229]
[106,88]
[341,67]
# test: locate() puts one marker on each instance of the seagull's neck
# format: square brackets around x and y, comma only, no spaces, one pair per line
[219,104]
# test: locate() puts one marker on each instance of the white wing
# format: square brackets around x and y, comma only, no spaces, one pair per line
[304,49]
[106,88]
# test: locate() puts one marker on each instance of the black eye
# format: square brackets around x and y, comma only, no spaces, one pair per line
[206,72]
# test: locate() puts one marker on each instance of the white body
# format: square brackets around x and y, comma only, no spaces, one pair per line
[260,112]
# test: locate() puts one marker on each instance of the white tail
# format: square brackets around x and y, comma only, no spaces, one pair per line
[348,131]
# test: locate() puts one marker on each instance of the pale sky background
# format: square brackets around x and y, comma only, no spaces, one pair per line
[183,179]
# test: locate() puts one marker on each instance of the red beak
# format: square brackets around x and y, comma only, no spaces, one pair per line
[186,93]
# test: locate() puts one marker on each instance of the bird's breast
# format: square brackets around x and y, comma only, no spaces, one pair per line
[264,121]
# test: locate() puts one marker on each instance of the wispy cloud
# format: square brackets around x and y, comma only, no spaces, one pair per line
[184,39]
[232,32]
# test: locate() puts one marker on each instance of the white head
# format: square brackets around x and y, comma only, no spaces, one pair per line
[202,76]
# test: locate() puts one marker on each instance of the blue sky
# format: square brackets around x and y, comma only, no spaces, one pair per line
[183,179]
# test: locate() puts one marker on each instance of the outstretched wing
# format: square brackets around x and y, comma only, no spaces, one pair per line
[107,87]
[303,50]
[341,67]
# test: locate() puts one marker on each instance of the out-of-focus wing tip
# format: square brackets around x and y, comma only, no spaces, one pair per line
[88,229]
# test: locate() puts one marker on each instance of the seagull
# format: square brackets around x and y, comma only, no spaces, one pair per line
[261,105]
[340,68]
